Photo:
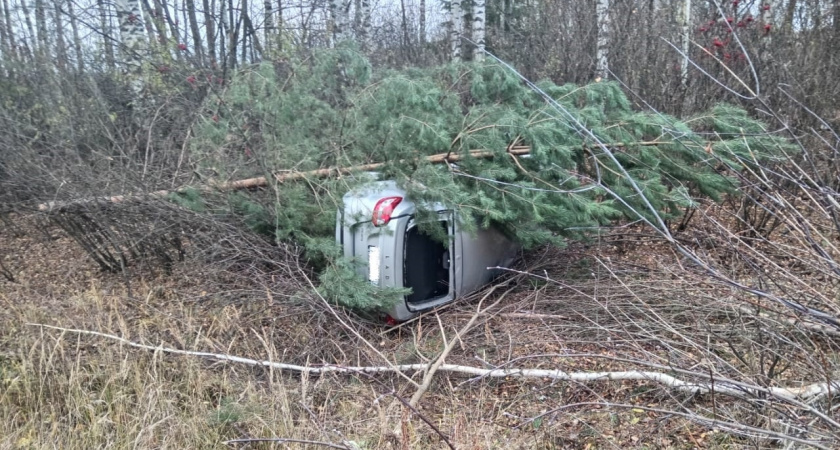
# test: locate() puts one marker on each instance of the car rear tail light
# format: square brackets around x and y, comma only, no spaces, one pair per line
[383,210]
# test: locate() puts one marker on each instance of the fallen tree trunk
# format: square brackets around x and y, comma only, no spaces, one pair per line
[717,386]
[280,177]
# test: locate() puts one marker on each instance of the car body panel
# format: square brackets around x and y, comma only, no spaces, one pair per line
[384,253]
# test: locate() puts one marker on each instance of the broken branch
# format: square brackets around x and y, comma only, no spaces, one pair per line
[737,390]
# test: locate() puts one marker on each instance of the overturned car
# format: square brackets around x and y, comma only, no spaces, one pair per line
[379,228]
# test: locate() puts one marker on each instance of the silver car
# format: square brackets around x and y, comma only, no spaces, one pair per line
[379,228]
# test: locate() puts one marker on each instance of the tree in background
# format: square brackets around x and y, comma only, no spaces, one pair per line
[602,66]
[456,28]
[132,43]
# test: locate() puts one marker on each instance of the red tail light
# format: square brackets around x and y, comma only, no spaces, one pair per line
[383,210]
[390,321]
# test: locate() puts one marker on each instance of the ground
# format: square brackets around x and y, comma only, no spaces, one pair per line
[583,308]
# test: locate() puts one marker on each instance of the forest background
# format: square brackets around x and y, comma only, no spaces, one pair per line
[717,305]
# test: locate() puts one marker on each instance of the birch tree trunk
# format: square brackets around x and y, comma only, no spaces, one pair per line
[478,31]
[685,20]
[602,67]
[132,41]
[340,12]
[767,23]
[364,36]
[456,20]
[357,17]
[268,29]
[422,38]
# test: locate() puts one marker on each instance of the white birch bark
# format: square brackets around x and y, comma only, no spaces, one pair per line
[767,24]
[456,21]
[340,15]
[422,39]
[478,31]
[132,40]
[268,18]
[602,56]
[700,385]
[685,20]
[364,34]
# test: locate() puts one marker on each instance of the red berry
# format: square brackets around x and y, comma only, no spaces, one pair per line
[767,28]
[730,20]
[741,24]
[703,29]
[182,46]
[766,7]
[191,79]
[749,19]
[215,118]
[717,43]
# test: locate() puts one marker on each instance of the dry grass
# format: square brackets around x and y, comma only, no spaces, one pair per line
[618,307]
